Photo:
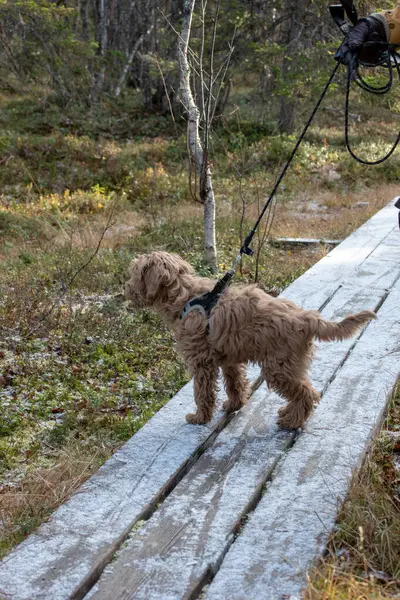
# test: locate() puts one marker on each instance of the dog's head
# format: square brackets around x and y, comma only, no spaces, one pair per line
[156,278]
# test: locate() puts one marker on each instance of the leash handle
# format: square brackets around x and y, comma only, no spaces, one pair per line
[245,248]
[350,10]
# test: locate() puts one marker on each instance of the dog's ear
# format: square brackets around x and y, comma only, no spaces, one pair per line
[161,272]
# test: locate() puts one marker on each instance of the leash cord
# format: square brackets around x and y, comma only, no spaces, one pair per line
[353,71]
[245,248]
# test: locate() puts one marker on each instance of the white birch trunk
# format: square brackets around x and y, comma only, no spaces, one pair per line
[195,146]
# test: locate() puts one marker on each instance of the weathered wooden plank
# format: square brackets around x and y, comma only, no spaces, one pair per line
[174,553]
[392,239]
[291,524]
[378,270]
[187,535]
[290,241]
[330,357]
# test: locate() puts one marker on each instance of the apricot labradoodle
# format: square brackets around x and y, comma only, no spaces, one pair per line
[246,325]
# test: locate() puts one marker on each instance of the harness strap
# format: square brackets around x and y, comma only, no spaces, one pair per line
[206,302]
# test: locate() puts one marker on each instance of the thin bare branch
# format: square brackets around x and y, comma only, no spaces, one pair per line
[166,93]
[203,37]
[66,286]
[222,80]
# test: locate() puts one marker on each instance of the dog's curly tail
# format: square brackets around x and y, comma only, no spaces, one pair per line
[327,331]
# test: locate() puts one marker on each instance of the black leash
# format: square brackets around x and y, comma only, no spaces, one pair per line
[245,248]
[207,301]
[387,59]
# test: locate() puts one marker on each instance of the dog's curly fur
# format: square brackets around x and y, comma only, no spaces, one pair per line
[246,325]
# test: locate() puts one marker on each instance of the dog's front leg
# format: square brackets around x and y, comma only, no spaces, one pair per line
[237,387]
[205,393]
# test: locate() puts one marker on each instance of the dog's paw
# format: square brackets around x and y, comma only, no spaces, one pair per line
[228,407]
[288,420]
[317,398]
[288,424]
[196,419]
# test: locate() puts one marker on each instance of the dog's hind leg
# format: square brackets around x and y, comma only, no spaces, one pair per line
[237,387]
[301,396]
[205,393]
[298,392]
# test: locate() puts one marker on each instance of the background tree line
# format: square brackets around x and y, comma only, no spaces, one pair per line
[82,50]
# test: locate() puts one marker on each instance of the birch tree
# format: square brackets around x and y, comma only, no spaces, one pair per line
[198,148]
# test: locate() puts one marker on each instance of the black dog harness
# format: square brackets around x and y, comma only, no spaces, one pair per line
[206,302]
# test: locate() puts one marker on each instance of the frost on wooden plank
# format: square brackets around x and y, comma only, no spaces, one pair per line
[84,532]
[172,553]
[323,280]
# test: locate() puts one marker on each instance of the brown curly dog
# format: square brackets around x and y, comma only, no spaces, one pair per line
[246,325]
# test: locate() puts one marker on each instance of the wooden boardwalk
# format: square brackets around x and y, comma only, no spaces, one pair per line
[236,509]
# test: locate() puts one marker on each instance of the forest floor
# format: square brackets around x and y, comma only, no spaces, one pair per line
[79,371]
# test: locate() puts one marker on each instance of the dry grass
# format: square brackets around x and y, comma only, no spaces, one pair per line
[363,559]
[87,231]
[25,504]
[329,214]
[332,586]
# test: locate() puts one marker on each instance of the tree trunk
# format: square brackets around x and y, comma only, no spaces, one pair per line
[287,111]
[290,38]
[127,65]
[102,39]
[84,18]
[196,153]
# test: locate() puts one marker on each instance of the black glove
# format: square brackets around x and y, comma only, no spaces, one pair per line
[361,41]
